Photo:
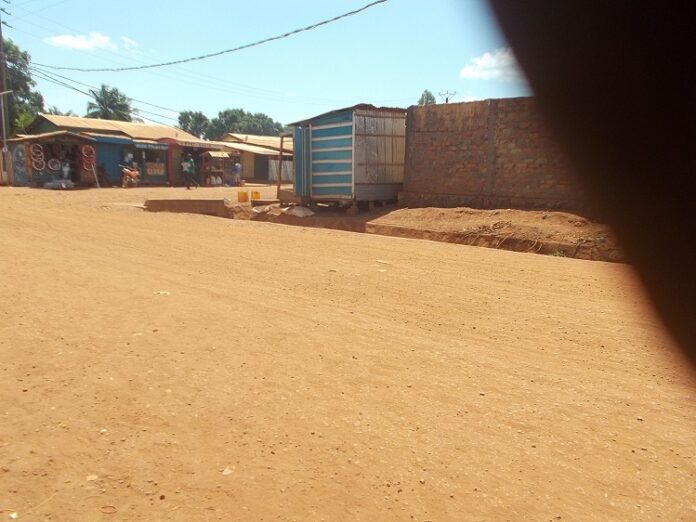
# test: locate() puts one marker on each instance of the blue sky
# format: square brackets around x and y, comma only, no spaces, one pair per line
[386,55]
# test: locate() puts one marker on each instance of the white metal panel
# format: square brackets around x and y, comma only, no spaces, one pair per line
[331,125]
[327,138]
[332,149]
[318,190]
[288,170]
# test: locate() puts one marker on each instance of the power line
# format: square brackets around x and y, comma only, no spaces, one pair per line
[198,80]
[45,74]
[182,75]
[67,86]
[213,83]
[218,53]
[30,13]
[33,67]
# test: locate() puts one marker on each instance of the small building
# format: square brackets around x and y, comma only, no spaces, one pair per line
[62,155]
[119,142]
[352,154]
[260,155]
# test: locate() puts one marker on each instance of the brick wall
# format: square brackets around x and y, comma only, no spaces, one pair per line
[487,154]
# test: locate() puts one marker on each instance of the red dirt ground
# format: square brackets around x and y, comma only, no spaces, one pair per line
[162,366]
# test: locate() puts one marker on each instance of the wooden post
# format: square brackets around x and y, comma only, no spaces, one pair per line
[280,166]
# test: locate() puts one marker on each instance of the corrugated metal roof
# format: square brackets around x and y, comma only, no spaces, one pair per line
[245,147]
[217,154]
[49,135]
[271,142]
[117,137]
[150,144]
[199,144]
[359,106]
[134,130]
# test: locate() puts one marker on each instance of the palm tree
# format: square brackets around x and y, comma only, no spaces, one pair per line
[109,104]
[55,110]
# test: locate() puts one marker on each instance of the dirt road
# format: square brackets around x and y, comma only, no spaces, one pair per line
[181,367]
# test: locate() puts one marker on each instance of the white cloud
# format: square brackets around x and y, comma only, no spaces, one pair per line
[82,42]
[498,65]
[129,43]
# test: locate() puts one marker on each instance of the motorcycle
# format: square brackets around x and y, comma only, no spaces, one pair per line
[130,176]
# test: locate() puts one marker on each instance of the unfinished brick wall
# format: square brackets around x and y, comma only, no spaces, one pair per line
[487,154]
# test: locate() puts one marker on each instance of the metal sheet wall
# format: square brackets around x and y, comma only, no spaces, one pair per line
[288,170]
[300,155]
[332,158]
[351,154]
[109,156]
[380,147]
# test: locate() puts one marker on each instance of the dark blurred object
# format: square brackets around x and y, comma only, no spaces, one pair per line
[614,80]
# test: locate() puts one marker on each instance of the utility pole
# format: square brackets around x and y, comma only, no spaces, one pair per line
[4,166]
[447,95]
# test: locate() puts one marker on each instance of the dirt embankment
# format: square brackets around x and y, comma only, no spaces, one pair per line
[552,233]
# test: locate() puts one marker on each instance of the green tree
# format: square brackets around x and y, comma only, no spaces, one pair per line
[24,103]
[194,122]
[229,120]
[109,104]
[259,123]
[238,120]
[426,98]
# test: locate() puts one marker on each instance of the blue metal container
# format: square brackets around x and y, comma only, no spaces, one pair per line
[351,154]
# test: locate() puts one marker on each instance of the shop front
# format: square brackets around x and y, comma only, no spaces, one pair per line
[60,159]
[218,168]
[112,151]
[151,157]
[180,149]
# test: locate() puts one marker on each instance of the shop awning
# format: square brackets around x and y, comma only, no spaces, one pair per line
[244,147]
[217,154]
[109,138]
[201,144]
[150,144]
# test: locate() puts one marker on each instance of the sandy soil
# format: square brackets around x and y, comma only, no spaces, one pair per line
[180,367]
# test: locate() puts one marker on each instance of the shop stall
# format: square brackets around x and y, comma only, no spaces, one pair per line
[112,151]
[151,158]
[179,150]
[60,159]
[218,168]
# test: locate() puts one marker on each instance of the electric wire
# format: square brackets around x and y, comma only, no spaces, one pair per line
[216,84]
[91,96]
[139,109]
[219,53]
[33,67]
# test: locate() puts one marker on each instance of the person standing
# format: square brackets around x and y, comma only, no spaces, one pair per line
[237,173]
[188,168]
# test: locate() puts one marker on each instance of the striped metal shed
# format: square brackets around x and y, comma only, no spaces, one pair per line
[351,154]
